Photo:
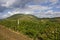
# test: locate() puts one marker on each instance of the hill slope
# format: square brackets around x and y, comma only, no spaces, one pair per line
[39,29]
[6,34]
[19,16]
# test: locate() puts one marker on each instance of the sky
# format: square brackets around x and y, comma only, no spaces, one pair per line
[39,8]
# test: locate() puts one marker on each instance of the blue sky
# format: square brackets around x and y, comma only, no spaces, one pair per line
[39,8]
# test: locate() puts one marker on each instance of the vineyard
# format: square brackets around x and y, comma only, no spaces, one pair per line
[36,28]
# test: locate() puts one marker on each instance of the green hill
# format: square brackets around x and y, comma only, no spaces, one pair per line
[36,28]
[19,16]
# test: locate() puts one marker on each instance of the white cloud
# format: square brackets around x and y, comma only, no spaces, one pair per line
[58,6]
[10,13]
[50,11]
[27,9]
[40,1]
[7,3]
[38,7]
[54,2]
[3,16]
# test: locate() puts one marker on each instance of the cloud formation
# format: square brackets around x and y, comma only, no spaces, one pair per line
[35,7]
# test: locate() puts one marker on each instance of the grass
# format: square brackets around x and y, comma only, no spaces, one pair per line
[42,29]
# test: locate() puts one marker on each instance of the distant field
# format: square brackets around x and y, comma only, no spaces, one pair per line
[36,28]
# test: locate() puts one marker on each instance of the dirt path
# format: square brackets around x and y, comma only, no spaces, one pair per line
[6,34]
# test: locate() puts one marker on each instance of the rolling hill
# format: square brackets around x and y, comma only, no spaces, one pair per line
[36,28]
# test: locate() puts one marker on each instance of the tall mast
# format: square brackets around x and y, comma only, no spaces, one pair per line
[18,22]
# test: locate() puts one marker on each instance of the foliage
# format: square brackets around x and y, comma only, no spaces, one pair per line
[38,29]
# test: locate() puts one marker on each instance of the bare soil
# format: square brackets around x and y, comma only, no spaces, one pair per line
[6,34]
